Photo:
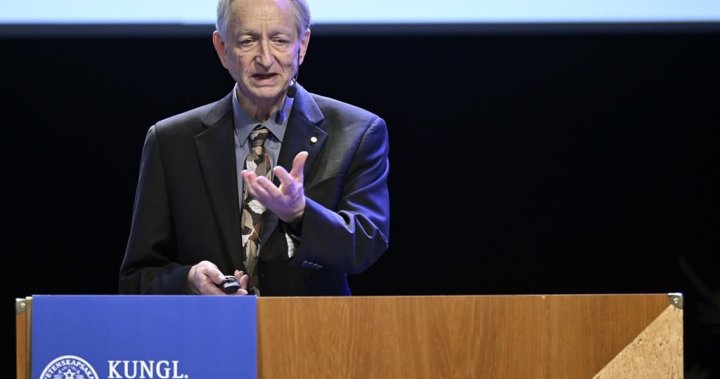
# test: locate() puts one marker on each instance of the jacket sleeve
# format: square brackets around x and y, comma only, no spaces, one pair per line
[354,235]
[148,265]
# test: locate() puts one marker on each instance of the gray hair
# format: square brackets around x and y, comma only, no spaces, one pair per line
[301,11]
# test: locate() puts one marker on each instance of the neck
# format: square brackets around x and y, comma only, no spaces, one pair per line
[262,110]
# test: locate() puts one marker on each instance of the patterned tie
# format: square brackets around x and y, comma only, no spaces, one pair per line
[259,161]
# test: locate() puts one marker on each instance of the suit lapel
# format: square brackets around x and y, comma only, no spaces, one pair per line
[304,132]
[302,136]
[216,154]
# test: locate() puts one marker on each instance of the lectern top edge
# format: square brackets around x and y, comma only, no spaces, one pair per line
[21,304]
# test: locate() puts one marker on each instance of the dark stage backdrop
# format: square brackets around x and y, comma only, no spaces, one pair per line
[584,161]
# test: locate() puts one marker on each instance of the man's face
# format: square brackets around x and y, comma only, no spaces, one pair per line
[261,49]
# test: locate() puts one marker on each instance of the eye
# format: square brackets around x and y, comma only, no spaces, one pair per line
[246,43]
[281,42]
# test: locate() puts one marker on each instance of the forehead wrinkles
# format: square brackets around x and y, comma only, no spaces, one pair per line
[253,17]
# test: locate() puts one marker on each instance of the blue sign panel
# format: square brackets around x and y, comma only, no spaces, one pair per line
[144,337]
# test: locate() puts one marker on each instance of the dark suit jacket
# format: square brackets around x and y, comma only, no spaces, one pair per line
[186,205]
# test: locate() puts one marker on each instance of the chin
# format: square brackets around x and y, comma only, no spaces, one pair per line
[267,93]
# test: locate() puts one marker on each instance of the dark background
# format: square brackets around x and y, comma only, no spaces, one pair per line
[585,160]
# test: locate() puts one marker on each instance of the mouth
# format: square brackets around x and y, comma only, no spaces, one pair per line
[264,77]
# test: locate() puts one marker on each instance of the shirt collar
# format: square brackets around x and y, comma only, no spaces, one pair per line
[244,123]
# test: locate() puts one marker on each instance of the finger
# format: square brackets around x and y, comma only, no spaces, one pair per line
[208,272]
[244,281]
[241,277]
[259,187]
[299,165]
[249,178]
[282,175]
[265,189]
[206,266]
[289,186]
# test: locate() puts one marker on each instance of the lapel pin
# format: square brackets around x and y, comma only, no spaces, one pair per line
[313,139]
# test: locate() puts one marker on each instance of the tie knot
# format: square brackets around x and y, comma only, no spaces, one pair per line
[258,136]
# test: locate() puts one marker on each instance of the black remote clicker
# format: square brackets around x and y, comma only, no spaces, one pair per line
[230,284]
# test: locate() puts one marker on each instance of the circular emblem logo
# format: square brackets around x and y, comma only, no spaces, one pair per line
[69,367]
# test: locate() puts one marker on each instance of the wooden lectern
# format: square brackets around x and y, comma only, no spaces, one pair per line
[493,336]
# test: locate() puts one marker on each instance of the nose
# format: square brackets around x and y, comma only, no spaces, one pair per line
[264,56]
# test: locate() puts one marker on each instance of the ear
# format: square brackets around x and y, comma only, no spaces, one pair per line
[304,45]
[219,45]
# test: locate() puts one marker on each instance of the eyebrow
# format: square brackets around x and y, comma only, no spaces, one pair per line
[273,32]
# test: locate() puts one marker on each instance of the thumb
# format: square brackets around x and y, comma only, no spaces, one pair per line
[298,166]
